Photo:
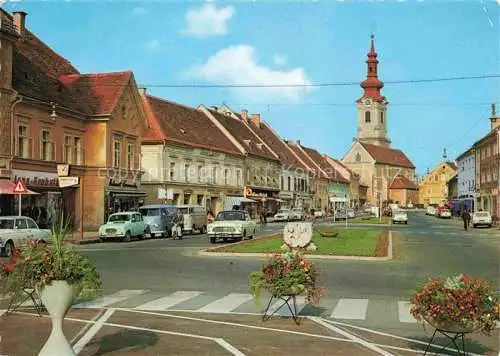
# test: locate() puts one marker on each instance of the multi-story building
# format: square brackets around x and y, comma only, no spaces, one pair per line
[487,165]
[187,159]
[452,184]
[262,166]
[371,155]
[433,190]
[318,178]
[466,181]
[87,125]
[294,178]
[403,191]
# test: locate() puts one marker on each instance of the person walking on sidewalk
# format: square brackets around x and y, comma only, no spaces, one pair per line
[178,222]
[466,218]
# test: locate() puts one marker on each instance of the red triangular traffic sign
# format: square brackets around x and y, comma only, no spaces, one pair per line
[20,187]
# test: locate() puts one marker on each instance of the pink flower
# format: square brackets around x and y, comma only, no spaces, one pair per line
[463,277]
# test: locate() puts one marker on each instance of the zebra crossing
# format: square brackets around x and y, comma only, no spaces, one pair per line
[345,309]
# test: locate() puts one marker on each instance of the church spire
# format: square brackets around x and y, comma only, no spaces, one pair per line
[372,85]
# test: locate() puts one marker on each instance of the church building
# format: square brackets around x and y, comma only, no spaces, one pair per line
[382,168]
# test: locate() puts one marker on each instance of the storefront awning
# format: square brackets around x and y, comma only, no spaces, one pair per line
[229,202]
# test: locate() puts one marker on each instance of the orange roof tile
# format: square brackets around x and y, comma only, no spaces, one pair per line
[326,167]
[401,182]
[387,155]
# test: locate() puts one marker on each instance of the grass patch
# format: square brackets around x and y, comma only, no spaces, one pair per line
[347,243]
[371,220]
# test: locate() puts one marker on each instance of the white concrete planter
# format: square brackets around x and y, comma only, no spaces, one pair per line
[57,298]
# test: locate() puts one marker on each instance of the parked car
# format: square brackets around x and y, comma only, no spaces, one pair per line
[481,218]
[318,214]
[299,214]
[16,231]
[284,215]
[159,218]
[430,210]
[445,214]
[124,226]
[351,214]
[232,224]
[194,217]
[400,217]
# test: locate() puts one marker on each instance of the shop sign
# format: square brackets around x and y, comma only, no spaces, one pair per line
[63,170]
[162,193]
[68,181]
[39,179]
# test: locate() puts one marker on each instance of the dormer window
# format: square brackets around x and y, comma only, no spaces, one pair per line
[358,157]
[367,116]
[247,142]
[259,146]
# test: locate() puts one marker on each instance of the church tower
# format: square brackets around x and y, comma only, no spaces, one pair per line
[372,106]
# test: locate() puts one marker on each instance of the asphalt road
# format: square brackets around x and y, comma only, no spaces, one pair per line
[373,293]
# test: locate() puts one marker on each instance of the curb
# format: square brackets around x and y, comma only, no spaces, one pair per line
[309,256]
[359,225]
[85,242]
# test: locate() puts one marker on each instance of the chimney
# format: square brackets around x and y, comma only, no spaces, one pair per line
[143,91]
[20,21]
[244,114]
[256,120]
[494,118]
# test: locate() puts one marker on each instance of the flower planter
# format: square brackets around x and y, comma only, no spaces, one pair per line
[454,327]
[57,298]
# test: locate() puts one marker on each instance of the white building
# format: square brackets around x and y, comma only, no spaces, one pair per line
[466,164]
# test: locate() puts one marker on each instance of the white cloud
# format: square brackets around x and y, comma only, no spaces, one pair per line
[139,11]
[208,20]
[279,60]
[238,65]
[153,45]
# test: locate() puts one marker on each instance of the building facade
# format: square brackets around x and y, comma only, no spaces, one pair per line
[294,178]
[487,160]
[466,181]
[434,190]
[195,163]
[89,124]
[262,166]
[371,156]
[403,191]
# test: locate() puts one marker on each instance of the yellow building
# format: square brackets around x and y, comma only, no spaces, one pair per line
[433,189]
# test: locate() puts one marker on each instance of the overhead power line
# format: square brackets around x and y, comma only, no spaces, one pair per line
[332,84]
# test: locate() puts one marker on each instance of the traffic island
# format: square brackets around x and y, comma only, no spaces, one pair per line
[350,244]
[366,220]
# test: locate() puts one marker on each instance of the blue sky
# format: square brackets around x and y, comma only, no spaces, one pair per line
[311,42]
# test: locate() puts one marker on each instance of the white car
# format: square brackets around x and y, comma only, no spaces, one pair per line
[445,214]
[16,231]
[430,211]
[298,214]
[232,224]
[400,217]
[351,214]
[481,218]
[284,215]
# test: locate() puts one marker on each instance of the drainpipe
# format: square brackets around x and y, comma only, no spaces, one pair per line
[12,131]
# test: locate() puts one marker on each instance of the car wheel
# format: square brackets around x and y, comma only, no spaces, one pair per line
[406,222]
[9,249]
[474,226]
[489,225]
[212,239]
[127,237]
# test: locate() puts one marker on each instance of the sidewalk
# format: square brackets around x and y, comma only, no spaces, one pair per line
[88,237]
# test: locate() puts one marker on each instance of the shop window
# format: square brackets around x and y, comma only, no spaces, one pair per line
[116,153]
[24,143]
[199,200]
[187,199]
[130,156]
[46,146]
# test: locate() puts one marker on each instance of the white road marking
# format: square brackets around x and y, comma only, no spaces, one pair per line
[169,301]
[226,345]
[227,303]
[352,309]
[85,339]
[284,311]
[404,313]
[350,336]
[105,301]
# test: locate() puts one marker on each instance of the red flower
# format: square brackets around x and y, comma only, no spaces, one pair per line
[464,278]
[8,268]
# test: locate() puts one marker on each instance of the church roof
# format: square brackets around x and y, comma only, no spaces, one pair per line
[401,182]
[386,155]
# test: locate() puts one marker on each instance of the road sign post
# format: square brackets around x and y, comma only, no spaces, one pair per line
[19,189]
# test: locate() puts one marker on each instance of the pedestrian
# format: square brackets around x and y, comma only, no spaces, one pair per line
[178,223]
[466,218]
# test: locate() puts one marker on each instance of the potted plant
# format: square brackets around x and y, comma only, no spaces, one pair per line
[59,275]
[457,305]
[285,275]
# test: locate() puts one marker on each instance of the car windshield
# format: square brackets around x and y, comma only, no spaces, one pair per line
[150,212]
[283,211]
[230,215]
[119,217]
[6,224]
[482,214]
